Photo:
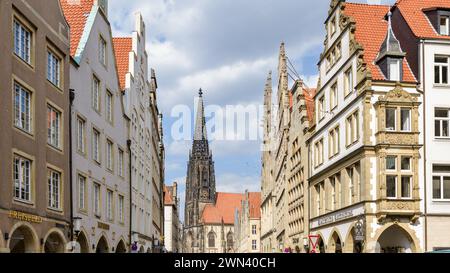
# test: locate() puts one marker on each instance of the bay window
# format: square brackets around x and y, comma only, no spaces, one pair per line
[390,119]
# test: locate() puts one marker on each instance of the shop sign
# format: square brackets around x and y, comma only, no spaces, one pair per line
[338,216]
[25,217]
[103,226]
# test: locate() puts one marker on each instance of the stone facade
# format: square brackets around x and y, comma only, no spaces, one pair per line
[34,140]
[172,224]
[247,226]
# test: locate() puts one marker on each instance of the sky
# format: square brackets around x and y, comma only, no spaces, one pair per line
[227,48]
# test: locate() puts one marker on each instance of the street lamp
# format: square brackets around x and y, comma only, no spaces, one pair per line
[134,242]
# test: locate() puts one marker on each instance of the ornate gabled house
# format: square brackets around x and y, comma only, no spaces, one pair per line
[365,150]
[209,215]
[100,185]
[247,226]
[145,143]
[423,29]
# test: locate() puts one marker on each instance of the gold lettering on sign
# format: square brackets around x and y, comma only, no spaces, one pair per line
[103,226]
[25,217]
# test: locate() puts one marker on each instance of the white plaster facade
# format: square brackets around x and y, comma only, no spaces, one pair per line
[109,224]
[147,149]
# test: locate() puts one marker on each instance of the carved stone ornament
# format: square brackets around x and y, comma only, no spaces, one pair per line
[398,94]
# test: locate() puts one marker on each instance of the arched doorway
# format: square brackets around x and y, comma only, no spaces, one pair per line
[149,250]
[23,239]
[335,244]
[351,245]
[83,242]
[121,247]
[320,245]
[102,246]
[54,243]
[395,240]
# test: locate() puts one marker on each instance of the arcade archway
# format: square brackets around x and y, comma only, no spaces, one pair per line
[23,239]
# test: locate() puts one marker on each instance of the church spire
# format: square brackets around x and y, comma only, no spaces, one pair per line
[200,126]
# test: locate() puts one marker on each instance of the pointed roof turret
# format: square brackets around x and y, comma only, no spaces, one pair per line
[200,126]
[390,46]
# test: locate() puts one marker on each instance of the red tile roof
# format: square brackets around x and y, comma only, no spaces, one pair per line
[122,49]
[76,13]
[255,205]
[412,12]
[371,30]
[225,208]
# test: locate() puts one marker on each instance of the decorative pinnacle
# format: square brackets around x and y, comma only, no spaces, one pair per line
[200,92]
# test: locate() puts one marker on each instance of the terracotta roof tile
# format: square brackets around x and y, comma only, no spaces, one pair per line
[255,205]
[122,49]
[412,12]
[76,13]
[371,30]
[225,208]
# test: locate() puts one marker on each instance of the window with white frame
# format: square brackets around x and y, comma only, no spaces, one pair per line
[81,192]
[352,128]
[332,26]
[321,108]
[97,196]
[81,135]
[120,163]
[394,69]
[405,118]
[22,108]
[54,189]
[334,142]
[121,209]
[441,69]
[109,155]
[398,179]
[102,51]
[22,41]
[444,25]
[348,82]
[53,68]
[391,119]
[96,145]
[254,229]
[318,153]
[333,96]
[109,106]
[53,127]
[96,94]
[333,196]
[22,178]
[442,122]
[109,205]
[441,182]
[254,245]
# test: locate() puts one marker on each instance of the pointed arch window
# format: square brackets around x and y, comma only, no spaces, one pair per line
[211,239]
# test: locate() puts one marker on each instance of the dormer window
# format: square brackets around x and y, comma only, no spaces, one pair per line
[444,25]
[394,69]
